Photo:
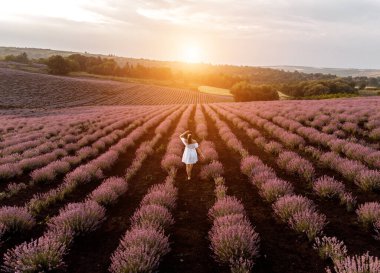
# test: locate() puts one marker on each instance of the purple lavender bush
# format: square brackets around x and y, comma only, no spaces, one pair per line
[212,170]
[141,250]
[308,221]
[368,213]
[330,247]
[80,218]
[285,207]
[155,216]
[44,254]
[15,219]
[272,189]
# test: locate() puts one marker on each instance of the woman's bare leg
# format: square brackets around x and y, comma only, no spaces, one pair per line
[190,169]
[187,170]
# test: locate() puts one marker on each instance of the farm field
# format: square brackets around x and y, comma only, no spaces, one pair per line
[286,186]
[20,89]
[214,90]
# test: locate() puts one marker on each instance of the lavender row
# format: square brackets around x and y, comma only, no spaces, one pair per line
[143,246]
[233,239]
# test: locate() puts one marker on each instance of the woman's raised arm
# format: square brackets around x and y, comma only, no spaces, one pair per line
[183,134]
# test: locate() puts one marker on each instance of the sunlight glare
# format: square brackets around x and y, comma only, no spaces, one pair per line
[191,54]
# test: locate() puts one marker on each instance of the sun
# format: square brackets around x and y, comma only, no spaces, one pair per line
[191,53]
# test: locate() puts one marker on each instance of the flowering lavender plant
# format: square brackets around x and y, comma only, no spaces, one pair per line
[285,207]
[163,195]
[358,264]
[44,254]
[212,170]
[109,191]
[330,247]
[226,206]
[15,219]
[78,217]
[328,187]
[309,222]
[368,213]
[155,216]
[234,241]
[275,188]
[141,250]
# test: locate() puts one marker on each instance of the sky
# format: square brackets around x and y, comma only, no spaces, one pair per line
[319,33]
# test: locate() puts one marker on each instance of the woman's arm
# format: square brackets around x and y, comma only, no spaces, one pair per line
[184,133]
[200,152]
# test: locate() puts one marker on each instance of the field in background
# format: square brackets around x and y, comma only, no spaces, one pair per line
[215,91]
[29,90]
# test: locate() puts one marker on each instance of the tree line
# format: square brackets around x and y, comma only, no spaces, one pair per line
[245,83]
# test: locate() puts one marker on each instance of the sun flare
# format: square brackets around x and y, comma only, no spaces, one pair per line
[191,54]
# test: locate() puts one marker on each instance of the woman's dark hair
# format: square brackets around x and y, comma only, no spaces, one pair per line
[189,139]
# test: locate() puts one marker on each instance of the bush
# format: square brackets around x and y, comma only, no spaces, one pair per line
[155,216]
[212,170]
[309,222]
[275,188]
[288,205]
[44,254]
[235,243]
[109,191]
[141,250]
[166,196]
[328,187]
[226,206]
[21,58]
[58,65]
[368,213]
[244,91]
[330,247]
[78,217]
[15,219]
[358,264]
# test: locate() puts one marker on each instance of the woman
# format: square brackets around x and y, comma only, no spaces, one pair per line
[190,154]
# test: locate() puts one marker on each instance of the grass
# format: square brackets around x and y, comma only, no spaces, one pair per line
[167,83]
[284,96]
[214,90]
[329,96]
[369,92]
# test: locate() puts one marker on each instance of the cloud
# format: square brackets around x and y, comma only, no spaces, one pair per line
[257,32]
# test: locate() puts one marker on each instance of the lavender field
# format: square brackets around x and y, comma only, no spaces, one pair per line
[21,89]
[287,186]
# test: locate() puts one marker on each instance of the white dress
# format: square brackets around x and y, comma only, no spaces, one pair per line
[190,154]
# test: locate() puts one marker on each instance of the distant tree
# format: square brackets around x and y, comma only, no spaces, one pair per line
[373,82]
[58,65]
[319,87]
[244,91]
[362,85]
[316,89]
[21,58]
